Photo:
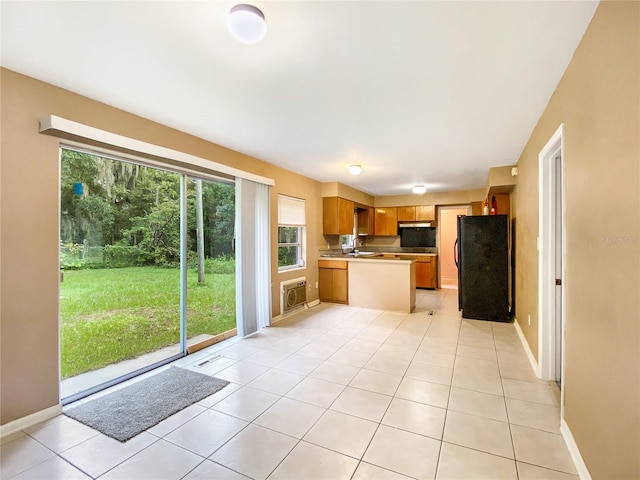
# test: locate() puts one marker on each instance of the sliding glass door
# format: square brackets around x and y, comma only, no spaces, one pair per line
[211,291]
[137,278]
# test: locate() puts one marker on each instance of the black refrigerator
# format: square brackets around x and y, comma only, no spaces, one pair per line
[482,258]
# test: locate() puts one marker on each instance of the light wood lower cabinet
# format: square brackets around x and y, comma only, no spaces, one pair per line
[333,281]
[427,272]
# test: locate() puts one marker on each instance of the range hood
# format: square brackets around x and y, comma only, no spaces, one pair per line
[414,225]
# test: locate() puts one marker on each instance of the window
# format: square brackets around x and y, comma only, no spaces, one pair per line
[291,233]
[348,242]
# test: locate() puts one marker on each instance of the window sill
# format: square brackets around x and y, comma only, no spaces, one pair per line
[290,269]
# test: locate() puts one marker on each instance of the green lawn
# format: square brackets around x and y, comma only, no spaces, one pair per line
[110,315]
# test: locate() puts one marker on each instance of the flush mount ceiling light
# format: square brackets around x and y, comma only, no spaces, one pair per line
[246,23]
[419,189]
[355,169]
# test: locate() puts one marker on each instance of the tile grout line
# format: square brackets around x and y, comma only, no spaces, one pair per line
[504,400]
[446,415]
[316,334]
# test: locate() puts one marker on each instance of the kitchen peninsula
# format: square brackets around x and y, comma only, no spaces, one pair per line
[375,281]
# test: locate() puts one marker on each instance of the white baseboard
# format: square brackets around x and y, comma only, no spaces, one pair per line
[30,420]
[282,316]
[581,467]
[527,349]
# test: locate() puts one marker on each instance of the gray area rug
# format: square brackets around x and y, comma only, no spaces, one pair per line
[125,413]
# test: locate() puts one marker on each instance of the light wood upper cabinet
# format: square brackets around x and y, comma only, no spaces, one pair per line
[337,216]
[406,214]
[386,221]
[425,213]
[366,221]
[419,213]
[476,208]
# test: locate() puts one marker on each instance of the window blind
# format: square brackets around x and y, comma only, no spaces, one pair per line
[291,211]
[253,257]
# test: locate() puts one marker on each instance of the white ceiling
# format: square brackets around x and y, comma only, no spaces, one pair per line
[419,92]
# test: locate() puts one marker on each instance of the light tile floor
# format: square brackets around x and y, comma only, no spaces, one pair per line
[335,392]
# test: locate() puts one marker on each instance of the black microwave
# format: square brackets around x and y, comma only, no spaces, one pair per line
[416,235]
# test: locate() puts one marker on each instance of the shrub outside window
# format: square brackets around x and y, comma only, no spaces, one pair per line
[289,247]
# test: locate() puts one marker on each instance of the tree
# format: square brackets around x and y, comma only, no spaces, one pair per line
[133,211]
[200,231]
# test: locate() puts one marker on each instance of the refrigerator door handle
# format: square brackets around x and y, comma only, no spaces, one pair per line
[455,253]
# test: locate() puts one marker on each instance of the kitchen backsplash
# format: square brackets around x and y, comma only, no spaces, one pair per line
[379,244]
[370,248]
[382,242]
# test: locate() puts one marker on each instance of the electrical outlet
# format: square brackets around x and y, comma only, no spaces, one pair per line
[316,284]
[309,287]
[529,319]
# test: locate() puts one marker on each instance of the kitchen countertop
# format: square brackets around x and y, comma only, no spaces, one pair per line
[378,258]
[375,255]
[370,259]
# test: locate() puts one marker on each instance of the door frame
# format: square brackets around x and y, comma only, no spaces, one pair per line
[547,259]
[439,233]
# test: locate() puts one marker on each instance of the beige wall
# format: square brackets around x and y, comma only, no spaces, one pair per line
[598,102]
[458,197]
[500,180]
[336,189]
[29,237]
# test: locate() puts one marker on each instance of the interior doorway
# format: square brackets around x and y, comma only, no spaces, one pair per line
[552,259]
[448,232]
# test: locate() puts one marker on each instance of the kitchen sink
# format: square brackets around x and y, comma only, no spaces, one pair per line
[351,255]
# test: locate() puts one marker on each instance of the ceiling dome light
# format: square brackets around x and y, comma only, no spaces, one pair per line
[246,23]
[419,189]
[355,169]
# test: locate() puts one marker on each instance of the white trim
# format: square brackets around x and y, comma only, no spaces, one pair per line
[276,319]
[147,161]
[302,248]
[527,348]
[546,257]
[307,306]
[30,420]
[574,451]
[61,127]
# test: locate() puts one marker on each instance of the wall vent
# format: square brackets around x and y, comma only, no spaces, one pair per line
[294,295]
